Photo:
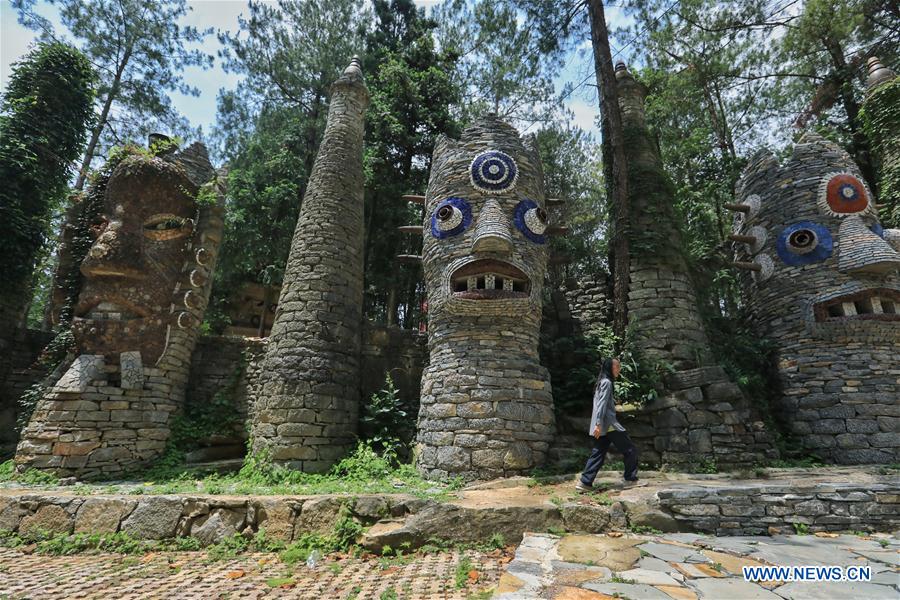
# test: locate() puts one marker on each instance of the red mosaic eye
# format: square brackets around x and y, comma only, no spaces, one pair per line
[846,194]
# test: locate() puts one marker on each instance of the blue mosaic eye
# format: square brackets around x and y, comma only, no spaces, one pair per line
[531,220]
[493,172]
[804,243]
[450,217]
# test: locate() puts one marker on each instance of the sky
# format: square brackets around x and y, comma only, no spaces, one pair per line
[222,15]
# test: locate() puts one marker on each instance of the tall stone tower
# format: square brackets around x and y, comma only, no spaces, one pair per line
[306,413]
[486,407]
[882,123]
[661,298]
[704,416]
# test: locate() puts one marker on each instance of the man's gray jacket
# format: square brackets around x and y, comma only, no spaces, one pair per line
[604,411]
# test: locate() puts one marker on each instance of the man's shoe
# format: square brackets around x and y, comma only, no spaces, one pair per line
[584,489]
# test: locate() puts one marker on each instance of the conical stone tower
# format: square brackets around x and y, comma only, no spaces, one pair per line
[703,416]
[306,413]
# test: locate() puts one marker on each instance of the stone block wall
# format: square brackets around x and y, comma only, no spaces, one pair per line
[589,303]
[754,509]
[704,419]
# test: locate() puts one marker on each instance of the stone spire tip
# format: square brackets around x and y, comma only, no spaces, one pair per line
[878,73]
[355,66]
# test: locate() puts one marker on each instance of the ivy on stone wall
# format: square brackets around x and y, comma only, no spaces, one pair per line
[43,122]
[881,122]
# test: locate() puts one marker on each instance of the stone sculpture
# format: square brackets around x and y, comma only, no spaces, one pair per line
[821,280]
[305,415]
[486,406]
[147,279]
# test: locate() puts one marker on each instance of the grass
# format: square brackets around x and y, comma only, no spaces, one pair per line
[364,471]
[801,528]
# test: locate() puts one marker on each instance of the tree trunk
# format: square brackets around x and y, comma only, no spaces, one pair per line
[618,186]
[101,123]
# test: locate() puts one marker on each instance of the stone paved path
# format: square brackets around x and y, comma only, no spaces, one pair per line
[686,566]
[190,575]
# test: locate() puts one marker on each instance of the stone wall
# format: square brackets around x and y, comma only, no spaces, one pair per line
[306,412]
[589,303]
[754,509]
[217,359]
[22,374]
[827,292]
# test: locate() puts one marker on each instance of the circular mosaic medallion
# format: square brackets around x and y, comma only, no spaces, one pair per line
[804,243]
[450,217]
[493,172]
[843,194]
[531,220]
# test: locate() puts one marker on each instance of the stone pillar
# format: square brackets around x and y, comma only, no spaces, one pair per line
[661,298]
[703,417]
[486,406]
[306,415]
[147,280]
[826,290]
[882,126]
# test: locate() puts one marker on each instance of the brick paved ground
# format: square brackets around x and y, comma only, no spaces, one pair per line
[185,575]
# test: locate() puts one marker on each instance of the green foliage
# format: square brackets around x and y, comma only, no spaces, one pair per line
[385,423]
[461,576]
[141,51]
[28,477]
[801,528]
[43,117]
[880,116]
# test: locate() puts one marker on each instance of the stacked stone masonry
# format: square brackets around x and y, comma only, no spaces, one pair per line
[306,413]
[827,292]
[754,509]
[147,282]
[486,405]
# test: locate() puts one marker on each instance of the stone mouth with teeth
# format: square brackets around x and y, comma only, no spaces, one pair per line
[108,310]
[489,279]
[879,304]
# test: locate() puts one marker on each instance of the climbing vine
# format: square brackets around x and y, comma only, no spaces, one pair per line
[43,122]
[881,122]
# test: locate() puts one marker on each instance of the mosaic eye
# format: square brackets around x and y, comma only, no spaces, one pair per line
[493,172]
[166,226]
[843,194]
[804,243]
[532,221]
[450,217]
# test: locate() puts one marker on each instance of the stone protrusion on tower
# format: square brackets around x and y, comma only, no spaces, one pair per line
[661,301]
[306,413]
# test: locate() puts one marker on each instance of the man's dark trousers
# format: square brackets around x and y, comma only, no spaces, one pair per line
[623,444]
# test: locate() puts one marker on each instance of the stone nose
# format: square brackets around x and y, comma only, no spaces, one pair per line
[492,230]
[862,251]
[115,253]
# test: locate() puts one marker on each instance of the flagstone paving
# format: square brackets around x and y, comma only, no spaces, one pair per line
[693,567]
[191,575]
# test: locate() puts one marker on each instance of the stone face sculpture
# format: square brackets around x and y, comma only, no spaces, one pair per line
[486,406]
[147,282]
[822,281]
[306,413]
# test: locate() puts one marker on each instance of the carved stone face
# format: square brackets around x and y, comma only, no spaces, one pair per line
[133,269]
[485,245]
[823,254]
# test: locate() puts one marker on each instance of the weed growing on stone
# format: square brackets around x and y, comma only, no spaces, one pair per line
[801,528]
[463,567]
[388,594]
[29,477]
[617,579]
[556,531]
[644,530]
